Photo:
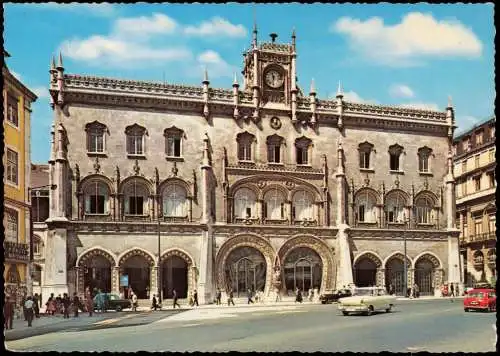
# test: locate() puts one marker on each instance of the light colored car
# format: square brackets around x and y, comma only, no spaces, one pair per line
[367,300]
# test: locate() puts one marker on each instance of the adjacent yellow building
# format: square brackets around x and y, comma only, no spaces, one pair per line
[17,99]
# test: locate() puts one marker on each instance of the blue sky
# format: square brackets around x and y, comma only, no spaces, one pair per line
[410,55]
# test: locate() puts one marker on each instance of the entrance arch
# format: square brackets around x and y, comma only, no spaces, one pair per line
[394,273]
[245,268]
[137,265]
[176,273]
[253,245]
[425,271]
[365,270]
[303,269]
[95,270]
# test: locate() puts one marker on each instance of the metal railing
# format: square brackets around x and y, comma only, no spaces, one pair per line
[486,236]
[16,251]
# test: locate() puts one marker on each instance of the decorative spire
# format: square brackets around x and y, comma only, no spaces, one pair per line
[206,150]
[60,63]
[450,104]
[294,37]
[235,81]
[53,64]
[450,162]
[339,90]
[205,76]
[313,87]
[254,35]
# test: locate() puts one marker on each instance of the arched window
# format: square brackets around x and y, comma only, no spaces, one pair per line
[302,208]
[365,149]
[302,150]
[366,207]
[96,195]
[135,196]
[135,140]
[37,246]
[424,156]
[96,137]
[274,144]
[173,141]
[274,205]
[395,152]
[395,207]
[423,207]
[244,203]
[245,141]
[174,201]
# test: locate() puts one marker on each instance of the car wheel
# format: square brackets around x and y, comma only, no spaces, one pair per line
[489,309]
[389,309]
[323,302]
[118,308]
[345,313]
[466,309]
[370,310]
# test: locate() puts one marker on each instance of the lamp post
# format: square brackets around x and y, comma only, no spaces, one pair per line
[159,263]
[405,271]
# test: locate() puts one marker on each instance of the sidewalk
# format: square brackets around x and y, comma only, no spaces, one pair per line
[430,298]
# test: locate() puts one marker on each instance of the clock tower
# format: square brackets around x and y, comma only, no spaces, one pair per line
[270,71]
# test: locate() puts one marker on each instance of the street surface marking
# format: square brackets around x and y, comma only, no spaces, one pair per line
[290,311]
[187,325]
[110,321]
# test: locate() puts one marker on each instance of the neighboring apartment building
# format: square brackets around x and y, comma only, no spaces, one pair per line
[475,164]
[259,187]
[17,99]
[39,212]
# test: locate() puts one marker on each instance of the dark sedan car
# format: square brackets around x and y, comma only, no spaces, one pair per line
[331,296]
[112,302]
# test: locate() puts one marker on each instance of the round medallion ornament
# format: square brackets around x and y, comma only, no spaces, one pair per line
[275,123]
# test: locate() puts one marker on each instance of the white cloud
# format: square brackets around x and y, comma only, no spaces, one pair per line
[421,106]
[217,26]
[106,50]
[41,92]
[144,26]
[401,91]
[101,10]
[417,35]
[354,97]
[216,66]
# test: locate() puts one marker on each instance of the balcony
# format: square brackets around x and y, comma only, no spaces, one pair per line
[467,197]
[275,221]
[275,167]
[486,236]
[16,251]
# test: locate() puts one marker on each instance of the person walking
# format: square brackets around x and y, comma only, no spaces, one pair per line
[175,297]
[452,290]
[36,306]
[28,307]
[195,298]
[298,295]
[8,312]
[190,299]
[76,304]
[23,301]
[134,302]
[218,296]
[391,289]
[278,295]
[66,303]
[154,304]
[230,298]
[89,302]
[457,291]
[416,290]
[249,296]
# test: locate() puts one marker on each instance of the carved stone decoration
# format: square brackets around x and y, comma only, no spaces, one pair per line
[84,261]
[396,182]
[369,256]
[431,258]
[367,180]
[136,167]
[321,248]
[175,170]
[400,257]
[275,123]
[117,172]
[97,166]
[290,185]
[136,252]
[77,173]
[426,183]
[191,267]
[157,177]
[261,184]
[248,240]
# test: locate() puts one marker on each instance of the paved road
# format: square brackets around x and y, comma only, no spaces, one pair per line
[433,325]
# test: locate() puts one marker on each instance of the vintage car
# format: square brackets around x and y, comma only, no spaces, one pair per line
[332,296]
[112,302]
[367,300]
[481,299]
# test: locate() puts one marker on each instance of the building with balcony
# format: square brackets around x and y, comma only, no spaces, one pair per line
[17,99]
[255,187]
[474,168]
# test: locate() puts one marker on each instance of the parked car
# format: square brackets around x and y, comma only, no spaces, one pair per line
[114,302]
[332,296]
[366,301]
[481,299]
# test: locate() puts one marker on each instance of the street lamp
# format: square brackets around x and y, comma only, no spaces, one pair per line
[159,263]
[405,258]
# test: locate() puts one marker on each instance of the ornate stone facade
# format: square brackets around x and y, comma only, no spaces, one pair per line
[210,173]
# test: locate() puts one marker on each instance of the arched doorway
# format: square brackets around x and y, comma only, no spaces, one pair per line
[394,275]
[97,273]
[424,276]
[365,270]
[245,268]
[303,269]
[138,269]
[174,275]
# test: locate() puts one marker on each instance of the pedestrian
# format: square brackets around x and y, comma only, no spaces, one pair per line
[391,289]
[66,304]
[105,302]
[249,296]
[452,290]
[134,302]
[8,312]
[416,290]
[457,291]
[195,298]
[50,306]
[298,295]
[154,304]
[76,304]
[23,301]
[89,302]
[36,307]
[175,297]
[190,299]
[218,296]
[28,307]
[230,298]
[278,295]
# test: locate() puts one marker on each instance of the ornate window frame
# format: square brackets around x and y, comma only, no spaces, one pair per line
[94,130]
[395,159]
[365,150]
[184,208]
[399,214]
[303,151]
[425,214]
[140,189]
[275,150]
[365,195]
[249,214]
[135,133]
[245,146]
[174,140]
[87,205]
[266,198]
[310,207]
[425,155]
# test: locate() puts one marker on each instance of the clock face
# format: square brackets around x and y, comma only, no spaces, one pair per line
[274,79]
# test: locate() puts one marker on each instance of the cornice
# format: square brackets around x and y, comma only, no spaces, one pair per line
[286,231]
[134,227]
[399,234]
